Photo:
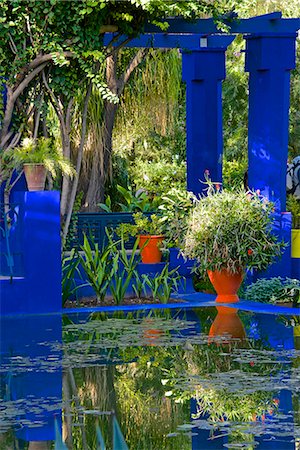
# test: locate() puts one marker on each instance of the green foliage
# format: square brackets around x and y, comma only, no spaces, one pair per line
[152,225]
[123,270]
[97,266]
[274,290]
[293,205]
[70,269]
[233,173]
[72,233]
[233,231]
[174,211]
[133,201]
[157,177]
[41,151]
[163,284]
[114,268]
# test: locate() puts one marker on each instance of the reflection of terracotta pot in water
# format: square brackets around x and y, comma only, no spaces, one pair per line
[150,248]
[226,284]
[35,175]
[227,322]
[151,334]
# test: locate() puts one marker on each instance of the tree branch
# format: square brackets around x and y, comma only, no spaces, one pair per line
[53,99]
[118,47]
[135,61]
[11,99]
[78,163]
[27,80]
[40,59]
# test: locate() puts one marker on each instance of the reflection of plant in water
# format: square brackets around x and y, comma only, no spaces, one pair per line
[144,407]
[154,383]
[226,381]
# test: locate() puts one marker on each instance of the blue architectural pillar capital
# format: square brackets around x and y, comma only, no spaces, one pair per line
[269,51]
[205,63]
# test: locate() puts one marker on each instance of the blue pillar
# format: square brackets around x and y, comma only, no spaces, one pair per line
[203,71]
[269,60]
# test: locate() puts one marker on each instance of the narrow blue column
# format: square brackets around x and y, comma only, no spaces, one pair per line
[203,71]
[269,60]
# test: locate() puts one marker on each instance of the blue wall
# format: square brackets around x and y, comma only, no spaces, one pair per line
[38,229]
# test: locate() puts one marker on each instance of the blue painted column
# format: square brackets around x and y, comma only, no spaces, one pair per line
[203,71]
[269,60]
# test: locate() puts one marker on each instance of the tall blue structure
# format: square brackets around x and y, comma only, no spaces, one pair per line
[270,56]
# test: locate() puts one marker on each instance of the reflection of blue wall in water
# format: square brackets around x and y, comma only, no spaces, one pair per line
[31,338]
[276,335]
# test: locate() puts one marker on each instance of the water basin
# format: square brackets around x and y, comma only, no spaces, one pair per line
[179,379]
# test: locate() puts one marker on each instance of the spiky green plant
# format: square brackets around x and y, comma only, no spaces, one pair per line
[42,151]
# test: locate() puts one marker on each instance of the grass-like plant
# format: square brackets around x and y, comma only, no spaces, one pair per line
[123,270]
[163,284]
[97,265]
[70,268]
[232,231]
[41,151]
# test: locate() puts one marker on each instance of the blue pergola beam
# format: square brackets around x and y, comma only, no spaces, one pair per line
[270,23]
[185,41]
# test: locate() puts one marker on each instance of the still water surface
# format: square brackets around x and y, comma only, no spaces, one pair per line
[179,380]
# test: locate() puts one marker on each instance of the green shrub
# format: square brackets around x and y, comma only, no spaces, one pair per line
[158,177]
[232,231]
[273,290]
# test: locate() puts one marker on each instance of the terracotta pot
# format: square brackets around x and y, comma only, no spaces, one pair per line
[227,322]
[150,248]
[226,285]
[35,175]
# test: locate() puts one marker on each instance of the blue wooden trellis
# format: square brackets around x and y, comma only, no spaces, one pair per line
[270,56]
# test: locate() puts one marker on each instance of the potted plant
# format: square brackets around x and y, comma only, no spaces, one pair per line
[227,233]
[36,157]
[149,231]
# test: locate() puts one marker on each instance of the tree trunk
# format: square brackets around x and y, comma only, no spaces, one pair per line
[100,172]
[66,144]
[101,166]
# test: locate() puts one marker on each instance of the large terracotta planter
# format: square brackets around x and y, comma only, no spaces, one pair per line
[150,248]
[227,322]
[35,175]
[226,285]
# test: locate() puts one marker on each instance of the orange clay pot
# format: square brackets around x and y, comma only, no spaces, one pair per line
[227,322]
[150,248]
[226,285]
[35,175]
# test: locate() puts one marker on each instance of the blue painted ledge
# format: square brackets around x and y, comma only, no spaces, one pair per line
[195,300]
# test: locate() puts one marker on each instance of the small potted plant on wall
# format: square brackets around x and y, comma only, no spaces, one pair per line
[36,157]
[149,231]
[228,233]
